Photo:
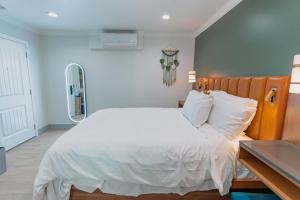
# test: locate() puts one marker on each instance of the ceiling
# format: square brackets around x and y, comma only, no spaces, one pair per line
[187,16]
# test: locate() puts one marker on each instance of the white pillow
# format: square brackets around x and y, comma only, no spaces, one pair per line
[235,99]
[238,100]
[231,117]
[197,107]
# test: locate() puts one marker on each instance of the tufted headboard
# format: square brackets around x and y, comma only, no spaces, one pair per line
[269,118]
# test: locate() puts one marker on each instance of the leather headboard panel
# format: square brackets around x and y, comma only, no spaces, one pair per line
[257,92]
[224,84]
[211,83]
[243,87]
[233,86]
[217,85]
[268,121]
[274,112]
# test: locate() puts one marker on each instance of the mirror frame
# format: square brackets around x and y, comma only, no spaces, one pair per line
[67,91]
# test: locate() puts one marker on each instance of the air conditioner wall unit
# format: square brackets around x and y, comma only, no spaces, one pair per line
[117,40]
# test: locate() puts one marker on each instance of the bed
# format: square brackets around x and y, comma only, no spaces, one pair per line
[124,153]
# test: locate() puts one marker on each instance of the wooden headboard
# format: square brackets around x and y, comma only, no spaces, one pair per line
[269,118]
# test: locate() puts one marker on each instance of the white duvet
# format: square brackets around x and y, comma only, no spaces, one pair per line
[132,151]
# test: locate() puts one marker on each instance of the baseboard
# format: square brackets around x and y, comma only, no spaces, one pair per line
[55,126]
[43,129]
[61,126]
[2,160]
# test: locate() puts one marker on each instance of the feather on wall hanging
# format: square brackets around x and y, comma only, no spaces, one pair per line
[169,63]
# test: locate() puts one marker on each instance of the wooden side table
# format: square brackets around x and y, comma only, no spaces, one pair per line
[180,103]
[276,164]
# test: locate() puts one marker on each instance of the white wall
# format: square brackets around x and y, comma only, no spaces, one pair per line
[35,67]
[114,78]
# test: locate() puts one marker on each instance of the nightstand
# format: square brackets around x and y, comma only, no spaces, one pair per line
[275,163]
[180,104]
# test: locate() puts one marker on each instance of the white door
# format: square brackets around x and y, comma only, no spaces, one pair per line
[16,113]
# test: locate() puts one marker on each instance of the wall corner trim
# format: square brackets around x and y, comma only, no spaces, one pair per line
[218,15]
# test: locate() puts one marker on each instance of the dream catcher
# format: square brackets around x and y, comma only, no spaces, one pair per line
[169,63]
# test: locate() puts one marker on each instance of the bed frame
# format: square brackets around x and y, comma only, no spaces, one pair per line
[271,94]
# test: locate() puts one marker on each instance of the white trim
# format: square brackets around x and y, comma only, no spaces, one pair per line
[218,15]
[30,84]
[7,37]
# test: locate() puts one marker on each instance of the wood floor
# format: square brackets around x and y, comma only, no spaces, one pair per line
[22,166]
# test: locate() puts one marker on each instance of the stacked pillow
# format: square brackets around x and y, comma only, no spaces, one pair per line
[231,115]
[228,114]
[197,107]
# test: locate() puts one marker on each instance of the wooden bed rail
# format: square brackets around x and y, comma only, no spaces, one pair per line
[98,195]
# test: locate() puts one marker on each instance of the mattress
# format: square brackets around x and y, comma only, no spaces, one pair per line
[133,151]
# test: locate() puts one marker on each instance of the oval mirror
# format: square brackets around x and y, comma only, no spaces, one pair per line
[75,88]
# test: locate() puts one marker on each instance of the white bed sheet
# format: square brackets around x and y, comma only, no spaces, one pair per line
[133,151]
[241,170]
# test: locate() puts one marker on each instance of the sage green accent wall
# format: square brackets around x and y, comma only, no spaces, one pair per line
[258,37]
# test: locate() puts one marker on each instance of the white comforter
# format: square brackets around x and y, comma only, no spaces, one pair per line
[131,151]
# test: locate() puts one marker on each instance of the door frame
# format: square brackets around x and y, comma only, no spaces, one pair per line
[13,39]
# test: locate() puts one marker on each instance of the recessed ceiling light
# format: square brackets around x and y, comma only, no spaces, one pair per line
[166,17]
[2,7]
[52,14]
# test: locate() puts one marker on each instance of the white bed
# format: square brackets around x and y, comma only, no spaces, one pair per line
[133,151]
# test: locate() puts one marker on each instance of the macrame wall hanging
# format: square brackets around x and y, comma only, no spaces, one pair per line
[169,63]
